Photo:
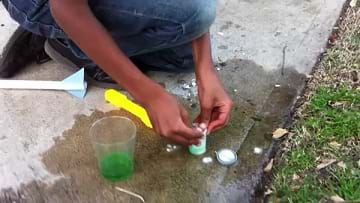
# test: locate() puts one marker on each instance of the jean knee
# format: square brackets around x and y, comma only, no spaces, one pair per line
[203,16]
[207,14]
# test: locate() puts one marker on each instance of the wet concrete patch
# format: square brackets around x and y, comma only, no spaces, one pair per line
[246,178]
[245,80]
[261,104]
[159,177]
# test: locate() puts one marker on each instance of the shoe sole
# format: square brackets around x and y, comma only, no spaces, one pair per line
[6,50]
[56,56]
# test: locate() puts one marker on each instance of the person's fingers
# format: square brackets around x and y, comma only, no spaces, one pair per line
[185,116]
[219,127]
[203,126]
[189,133]
[197,119]
[220,118]
[205,114]
[195,141]
[218,123]
[181,140]
[216,129]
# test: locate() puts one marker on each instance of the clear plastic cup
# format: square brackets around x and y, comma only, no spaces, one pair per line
[113,139]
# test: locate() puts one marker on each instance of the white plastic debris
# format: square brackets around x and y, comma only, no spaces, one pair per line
[207,160]
[171,148]
[258,150]
[185,86]
[130,193]
[220,33]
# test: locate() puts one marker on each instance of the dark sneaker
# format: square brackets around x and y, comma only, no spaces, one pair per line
[60,53]
[22,49]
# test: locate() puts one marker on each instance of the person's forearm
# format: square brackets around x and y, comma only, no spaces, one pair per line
[204,67]
[202,53]
[79,23]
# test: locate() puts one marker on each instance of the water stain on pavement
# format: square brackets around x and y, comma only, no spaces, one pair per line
[178,176]
[159,176]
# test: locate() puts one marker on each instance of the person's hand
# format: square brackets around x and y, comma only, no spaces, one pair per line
[171,120]
[215,103]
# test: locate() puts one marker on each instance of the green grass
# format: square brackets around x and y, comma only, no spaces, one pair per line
[328,128]
[346,183]
[301,159]
[343,183]
[308,192]
[332,115]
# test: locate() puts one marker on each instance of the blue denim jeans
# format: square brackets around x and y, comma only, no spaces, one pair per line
[158,32]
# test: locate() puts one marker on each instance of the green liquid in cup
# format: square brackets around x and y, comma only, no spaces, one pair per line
[117,166]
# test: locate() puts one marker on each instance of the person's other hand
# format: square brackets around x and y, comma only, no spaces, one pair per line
[171,120]
[215,103]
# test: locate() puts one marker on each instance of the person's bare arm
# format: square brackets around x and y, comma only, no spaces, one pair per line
[215,103]
[79,23]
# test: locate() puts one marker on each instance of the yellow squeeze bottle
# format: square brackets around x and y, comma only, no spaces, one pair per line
[121,101]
